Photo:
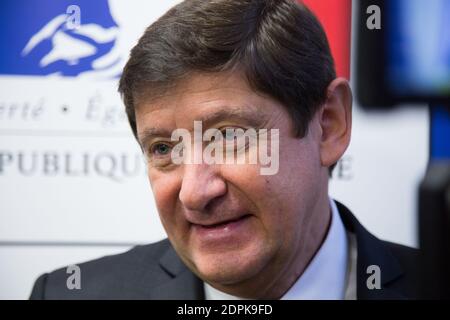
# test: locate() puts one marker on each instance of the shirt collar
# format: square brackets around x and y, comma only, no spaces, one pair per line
[326,275]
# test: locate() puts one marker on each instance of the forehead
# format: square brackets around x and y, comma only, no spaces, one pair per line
[201,96]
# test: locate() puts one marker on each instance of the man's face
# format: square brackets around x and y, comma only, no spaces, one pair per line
[230,224]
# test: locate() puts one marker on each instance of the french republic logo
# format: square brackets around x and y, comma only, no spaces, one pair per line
[64,37]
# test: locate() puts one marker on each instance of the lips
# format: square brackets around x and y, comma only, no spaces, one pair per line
[223,230]
[223,223]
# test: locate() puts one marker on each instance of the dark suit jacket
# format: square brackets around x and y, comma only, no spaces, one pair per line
[155,271]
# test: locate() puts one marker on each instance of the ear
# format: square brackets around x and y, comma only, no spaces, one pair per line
[335,120]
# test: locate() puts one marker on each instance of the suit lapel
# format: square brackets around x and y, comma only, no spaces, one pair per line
[372,251]
[182,283]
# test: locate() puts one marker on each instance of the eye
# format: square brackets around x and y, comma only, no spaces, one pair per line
[160,149]
[231,133]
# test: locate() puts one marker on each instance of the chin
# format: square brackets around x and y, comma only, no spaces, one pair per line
[230,268]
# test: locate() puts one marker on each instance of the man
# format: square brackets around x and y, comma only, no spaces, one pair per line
[234,232]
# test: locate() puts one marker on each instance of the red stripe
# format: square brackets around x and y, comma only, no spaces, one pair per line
[335,16]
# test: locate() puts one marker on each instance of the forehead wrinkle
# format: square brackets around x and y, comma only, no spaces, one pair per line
[222,112]
[210,110]
[246,113]
[183,92]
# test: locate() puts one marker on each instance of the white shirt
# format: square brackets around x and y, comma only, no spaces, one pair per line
[331,274]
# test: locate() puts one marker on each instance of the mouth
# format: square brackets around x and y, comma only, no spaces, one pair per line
[221,230]
[222,223]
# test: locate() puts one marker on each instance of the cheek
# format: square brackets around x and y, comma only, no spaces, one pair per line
[286,197]
[165,188]
[300,173]
[299,165]
[261,192]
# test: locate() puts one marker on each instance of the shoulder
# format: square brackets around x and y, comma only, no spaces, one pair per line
[107,277]
[406,255]
[399,265]
[409,261]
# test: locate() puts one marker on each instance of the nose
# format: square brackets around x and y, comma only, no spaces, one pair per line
[200,185]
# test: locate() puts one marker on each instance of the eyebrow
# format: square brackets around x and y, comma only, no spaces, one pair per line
[249,115]
[145,135]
